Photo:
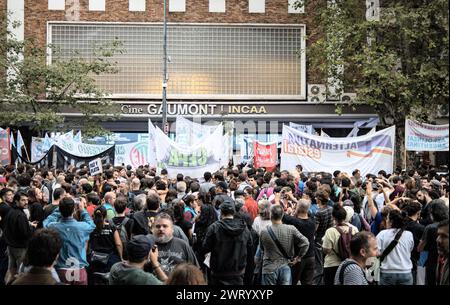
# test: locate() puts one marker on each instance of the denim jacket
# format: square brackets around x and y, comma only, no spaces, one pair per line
[74,235]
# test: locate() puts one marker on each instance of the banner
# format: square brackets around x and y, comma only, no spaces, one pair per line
[65,159]
[45,161]
[303,128]
[134,154]
[151,157]
[209,155]
[426,137]
[190,133]
[265,155]
[5,153]
[246,145]
[368,153]
[81,149]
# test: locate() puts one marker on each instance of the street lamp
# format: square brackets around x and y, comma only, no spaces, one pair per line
[165,78]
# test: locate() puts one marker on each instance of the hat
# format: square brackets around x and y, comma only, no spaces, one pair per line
[228,207]
[223,185]
[139,246]
[350,213]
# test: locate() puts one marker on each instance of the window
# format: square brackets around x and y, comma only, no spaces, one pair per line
[256,6]
[177,5]
[292,10]
[136,5]
[56,5]
[217,6]
[206,61]
[96,5]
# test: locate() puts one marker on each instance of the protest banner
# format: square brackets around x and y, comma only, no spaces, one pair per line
[5,153]
[190,133]
[209,155]
[265,155]
[65,159]
[134,154]
[425,137]
[369,153]
[303,128]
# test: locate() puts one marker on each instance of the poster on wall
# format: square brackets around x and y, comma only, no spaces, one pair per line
[369,153]
[426,137]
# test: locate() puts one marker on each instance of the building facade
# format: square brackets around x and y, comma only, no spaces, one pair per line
[229,60]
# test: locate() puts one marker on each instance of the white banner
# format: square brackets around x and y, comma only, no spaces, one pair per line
[134,154]
[210,155]
[246,145]
[426,137]
[190,133]
[81,149]
[151,157]
[369,153]
[303,128]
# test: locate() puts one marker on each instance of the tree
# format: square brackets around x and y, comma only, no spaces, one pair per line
[397,63]
[34,94]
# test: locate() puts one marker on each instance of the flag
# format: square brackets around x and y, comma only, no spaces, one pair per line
[77,137]
[11,141]
[48,142]
[20,143]
[323,134]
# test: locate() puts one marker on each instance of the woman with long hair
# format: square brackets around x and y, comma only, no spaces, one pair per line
[396,267]
[35,205]
[105,246]
[205,219]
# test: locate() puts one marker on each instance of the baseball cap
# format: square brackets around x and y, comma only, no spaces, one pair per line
[227,207]
[238,193]
[140,245]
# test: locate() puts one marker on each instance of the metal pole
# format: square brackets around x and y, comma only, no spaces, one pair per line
[165,78]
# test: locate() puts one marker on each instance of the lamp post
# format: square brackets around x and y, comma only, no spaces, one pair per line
[165,78]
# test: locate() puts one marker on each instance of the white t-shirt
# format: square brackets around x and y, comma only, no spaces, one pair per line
[399,259]
[260,224]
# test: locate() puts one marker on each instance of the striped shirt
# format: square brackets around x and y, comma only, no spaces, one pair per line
[353,274]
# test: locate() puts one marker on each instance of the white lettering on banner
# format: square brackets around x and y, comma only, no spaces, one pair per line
[369,153]
[426,137]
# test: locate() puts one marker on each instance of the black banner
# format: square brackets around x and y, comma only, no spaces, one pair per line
[45,161]
[64,159]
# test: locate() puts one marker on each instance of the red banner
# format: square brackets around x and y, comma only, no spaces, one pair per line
[264,155]
[5,153]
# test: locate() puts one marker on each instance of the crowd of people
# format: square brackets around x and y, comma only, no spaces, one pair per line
[237,226]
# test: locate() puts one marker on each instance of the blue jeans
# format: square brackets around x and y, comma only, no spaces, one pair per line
[282,276]
[396,278]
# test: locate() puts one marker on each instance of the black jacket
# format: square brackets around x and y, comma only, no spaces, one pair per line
[229,241]
[17,228]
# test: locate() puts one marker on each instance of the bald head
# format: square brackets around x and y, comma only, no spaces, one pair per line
[135,184]
[110,197]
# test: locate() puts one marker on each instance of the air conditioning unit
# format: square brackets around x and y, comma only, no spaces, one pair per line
[316,93]
[348,97]
[443,111]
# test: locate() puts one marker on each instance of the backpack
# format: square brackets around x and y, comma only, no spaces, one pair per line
[344,243]
[342,271]
[122,230]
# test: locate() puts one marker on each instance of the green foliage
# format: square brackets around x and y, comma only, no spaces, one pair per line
[398,64]
[35,94]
